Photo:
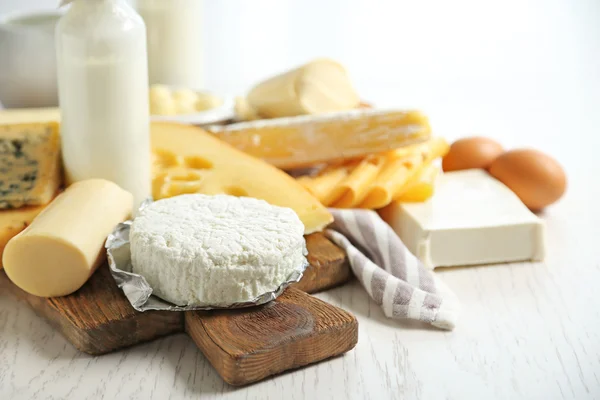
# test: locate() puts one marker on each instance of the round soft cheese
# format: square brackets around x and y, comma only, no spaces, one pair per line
[215,250]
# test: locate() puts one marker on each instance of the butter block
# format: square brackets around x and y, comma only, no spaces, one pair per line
[30,164]
[471,219]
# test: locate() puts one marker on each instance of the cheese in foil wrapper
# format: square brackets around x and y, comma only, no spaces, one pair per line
[138,291]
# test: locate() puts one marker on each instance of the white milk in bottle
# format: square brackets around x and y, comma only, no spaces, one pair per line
[174,41]
[103,93]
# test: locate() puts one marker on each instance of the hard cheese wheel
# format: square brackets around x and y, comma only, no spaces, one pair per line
[63,246]
[190,160]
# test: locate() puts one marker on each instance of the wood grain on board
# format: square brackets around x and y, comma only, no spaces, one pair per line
[98,318]
[328,265]
[294,330]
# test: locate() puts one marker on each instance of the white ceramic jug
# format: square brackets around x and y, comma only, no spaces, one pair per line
[28,60]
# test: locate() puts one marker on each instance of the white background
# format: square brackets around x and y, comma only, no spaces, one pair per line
[498,68]
[524,72]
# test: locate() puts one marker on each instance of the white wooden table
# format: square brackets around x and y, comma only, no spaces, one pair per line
[524,72]
[529,331]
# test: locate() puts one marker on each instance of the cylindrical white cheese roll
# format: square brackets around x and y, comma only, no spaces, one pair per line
[63,246]
[317,87]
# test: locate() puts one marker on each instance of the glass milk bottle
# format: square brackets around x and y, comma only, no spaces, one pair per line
[103,94]
[174,41]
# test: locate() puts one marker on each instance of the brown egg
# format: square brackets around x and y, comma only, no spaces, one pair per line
[535,177]
[468,153]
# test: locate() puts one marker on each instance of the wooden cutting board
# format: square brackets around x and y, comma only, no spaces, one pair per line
[244,346]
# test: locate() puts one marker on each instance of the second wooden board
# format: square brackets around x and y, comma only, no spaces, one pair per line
[96,317]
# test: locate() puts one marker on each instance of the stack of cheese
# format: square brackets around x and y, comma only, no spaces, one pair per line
[371,174]
[30,174]
[366,147]
[312,115]
[309,116]
[306,116]
[62,247]
[50,245]
[405,174]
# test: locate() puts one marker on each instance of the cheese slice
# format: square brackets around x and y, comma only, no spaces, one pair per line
[307,140]
[402,166]
[63,246]
[189,160]
[12,222]
[30,164]
[422,186]
[353,189]
[472,219]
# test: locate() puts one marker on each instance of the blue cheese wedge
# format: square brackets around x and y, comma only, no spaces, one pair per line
[471,219]
[30,164]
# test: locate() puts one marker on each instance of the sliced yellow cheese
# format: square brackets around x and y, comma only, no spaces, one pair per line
[12,222]
[354,188]
[421,187]
[189,160]
[302,141]
[59,251]
[391,179]
[322,187]
[402,167]
[376,180]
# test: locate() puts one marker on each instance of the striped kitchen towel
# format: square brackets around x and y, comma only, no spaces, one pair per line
[394,278]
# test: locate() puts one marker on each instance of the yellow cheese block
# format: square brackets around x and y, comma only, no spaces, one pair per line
[320,86]
[59,251]
[189,160]
[30,164]
[29,115]
[303,141]
[12,222]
